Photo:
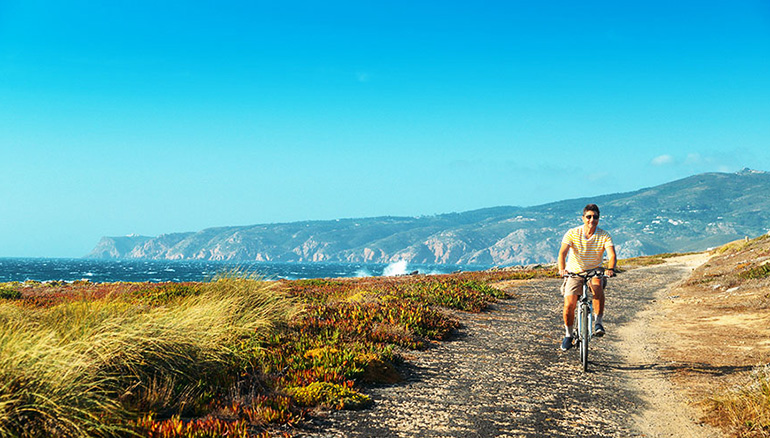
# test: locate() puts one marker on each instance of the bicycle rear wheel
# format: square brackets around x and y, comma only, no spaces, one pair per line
[585,333]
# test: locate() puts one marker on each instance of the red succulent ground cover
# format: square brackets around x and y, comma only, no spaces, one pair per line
[37,294]
[350,332]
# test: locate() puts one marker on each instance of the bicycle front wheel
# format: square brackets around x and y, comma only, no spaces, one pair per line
[585,334]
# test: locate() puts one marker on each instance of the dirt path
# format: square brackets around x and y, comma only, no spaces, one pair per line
[664,413]
[503,375]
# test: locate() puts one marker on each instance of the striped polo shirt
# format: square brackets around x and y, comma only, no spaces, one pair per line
[585,253]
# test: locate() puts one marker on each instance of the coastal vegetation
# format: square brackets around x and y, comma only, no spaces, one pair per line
[728,297]
[236,356]
[240,356]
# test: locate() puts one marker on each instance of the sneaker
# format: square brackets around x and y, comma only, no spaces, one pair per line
[598,330]
[566,344]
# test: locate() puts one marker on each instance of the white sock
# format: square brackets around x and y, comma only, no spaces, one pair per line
[568,331]
[598,319]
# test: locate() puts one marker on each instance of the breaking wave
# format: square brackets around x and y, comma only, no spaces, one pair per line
[395,268]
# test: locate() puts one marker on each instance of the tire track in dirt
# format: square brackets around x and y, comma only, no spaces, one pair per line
[503,375]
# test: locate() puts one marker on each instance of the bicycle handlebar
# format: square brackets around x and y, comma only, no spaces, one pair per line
[596,272]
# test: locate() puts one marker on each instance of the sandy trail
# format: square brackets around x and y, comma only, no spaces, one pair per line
[503,375]
[664,413]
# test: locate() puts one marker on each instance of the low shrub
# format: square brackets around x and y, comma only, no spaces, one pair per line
[9,294]
[330,395]
[165,293]
[757,272]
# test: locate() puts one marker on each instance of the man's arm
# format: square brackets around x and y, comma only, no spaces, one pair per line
[562,259]
[612,260]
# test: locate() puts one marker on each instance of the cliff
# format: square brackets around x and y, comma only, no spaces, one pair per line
[691,214]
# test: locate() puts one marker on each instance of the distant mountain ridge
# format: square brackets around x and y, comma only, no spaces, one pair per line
[689,214]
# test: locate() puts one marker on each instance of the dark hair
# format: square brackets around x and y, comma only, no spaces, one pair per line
[591,207]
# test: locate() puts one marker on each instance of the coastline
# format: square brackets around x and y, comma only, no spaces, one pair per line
[14,269]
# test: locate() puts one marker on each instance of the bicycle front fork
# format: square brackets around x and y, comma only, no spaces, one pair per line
[588,320]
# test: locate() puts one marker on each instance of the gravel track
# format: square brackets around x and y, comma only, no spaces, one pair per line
[503,375]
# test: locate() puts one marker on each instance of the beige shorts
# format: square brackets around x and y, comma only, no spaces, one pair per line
[574,286]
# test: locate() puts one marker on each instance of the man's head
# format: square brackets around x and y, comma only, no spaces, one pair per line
[591,214]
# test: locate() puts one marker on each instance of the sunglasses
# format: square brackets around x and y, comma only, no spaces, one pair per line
[592,216]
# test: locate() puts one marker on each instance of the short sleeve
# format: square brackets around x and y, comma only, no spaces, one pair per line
[567,239]
[608,240]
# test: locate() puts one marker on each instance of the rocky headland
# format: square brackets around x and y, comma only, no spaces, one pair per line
[691,214]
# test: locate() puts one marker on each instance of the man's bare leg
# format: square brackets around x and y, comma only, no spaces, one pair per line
[598,292]
[570,304]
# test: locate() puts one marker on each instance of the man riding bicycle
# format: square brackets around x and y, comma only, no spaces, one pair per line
[585,245]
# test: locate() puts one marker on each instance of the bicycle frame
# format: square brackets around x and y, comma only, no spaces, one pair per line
[585,321]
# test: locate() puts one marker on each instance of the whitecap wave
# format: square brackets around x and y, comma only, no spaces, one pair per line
[362,273]
[395,268]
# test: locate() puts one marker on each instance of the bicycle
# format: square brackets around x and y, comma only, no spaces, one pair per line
[584,314]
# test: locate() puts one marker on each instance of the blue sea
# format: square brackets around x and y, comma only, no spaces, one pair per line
[101,271]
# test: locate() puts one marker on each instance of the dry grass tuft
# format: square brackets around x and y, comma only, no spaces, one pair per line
[745,410]
[82,368]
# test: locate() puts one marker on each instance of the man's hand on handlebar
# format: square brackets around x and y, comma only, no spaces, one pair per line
[598,272]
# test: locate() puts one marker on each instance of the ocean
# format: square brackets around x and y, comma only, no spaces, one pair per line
[102,271]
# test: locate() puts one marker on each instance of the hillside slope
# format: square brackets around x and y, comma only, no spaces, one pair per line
[716,327]
[690,214]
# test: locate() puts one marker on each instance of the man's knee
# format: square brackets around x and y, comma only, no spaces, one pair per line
[597,288]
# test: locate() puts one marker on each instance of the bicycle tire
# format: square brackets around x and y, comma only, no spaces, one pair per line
[584,335]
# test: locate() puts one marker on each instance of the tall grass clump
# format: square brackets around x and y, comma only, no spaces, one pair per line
[85,368]
[745,411]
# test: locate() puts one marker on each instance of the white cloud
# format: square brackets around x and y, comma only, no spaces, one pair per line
[694,158]
[662,160]
[597,176]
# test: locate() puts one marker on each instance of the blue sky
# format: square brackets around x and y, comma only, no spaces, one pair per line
[156,117]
